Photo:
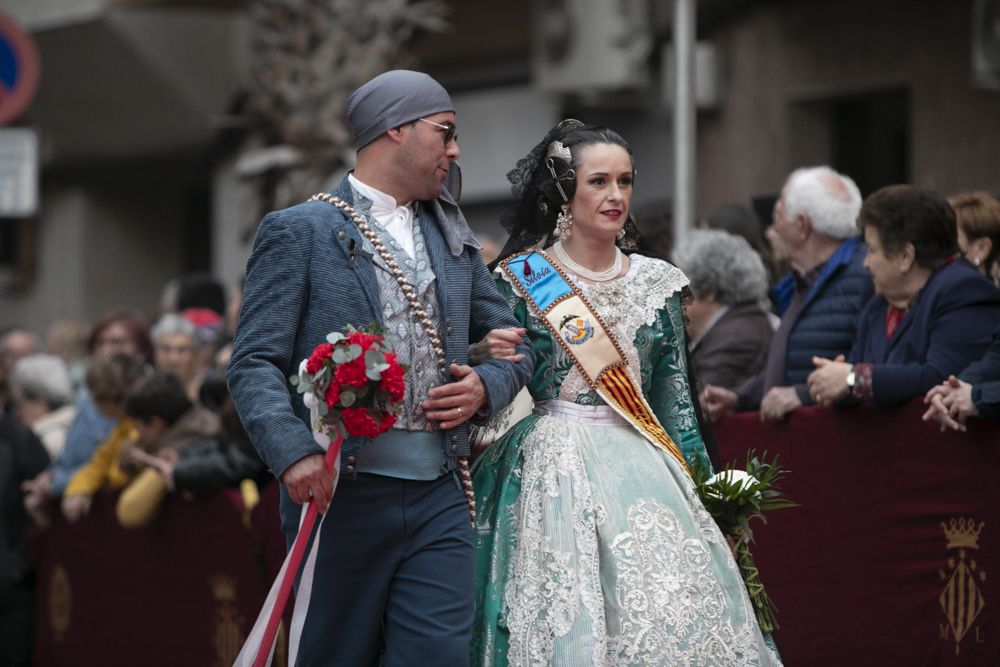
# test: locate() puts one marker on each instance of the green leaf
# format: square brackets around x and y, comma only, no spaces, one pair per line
[374,358]
[353,352]
[347,398]
[335,337]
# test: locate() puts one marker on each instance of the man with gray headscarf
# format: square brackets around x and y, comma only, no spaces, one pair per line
[395,562]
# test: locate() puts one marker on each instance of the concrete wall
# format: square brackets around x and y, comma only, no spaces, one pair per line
[785,53]
[98,247]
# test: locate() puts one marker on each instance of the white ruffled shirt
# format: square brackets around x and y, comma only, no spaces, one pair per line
[397,220]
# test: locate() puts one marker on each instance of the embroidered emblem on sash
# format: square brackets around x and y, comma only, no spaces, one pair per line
[962,600]
[576,330]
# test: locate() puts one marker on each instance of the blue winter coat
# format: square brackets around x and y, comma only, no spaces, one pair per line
[828,324]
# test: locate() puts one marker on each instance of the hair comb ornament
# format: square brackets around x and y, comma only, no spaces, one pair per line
[555,150]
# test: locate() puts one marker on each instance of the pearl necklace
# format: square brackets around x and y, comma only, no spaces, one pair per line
[584,272]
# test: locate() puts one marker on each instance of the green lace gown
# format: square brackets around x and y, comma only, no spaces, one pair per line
[591,545]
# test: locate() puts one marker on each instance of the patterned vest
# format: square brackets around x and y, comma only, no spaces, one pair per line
[412,449]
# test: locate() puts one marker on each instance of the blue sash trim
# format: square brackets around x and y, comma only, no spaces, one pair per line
[540,279]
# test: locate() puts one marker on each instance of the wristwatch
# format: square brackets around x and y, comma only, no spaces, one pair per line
[852,379]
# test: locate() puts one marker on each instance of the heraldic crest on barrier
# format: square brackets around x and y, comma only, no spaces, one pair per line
[962,600]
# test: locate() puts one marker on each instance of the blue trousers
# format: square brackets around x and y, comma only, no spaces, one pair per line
[395,564]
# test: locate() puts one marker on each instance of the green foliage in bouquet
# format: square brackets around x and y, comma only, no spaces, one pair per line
[733,498]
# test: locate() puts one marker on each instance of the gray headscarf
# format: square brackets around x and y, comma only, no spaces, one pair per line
[392,99]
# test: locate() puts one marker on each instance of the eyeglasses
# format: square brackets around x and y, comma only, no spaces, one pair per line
[450,131]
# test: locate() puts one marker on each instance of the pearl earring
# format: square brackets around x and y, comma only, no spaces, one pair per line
[564,222]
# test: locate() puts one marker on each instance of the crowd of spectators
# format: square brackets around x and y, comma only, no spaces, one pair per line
[888,298]
[117,406]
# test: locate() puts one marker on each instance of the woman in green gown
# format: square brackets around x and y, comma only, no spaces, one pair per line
[592,547]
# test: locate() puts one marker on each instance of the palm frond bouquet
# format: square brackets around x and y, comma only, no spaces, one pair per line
[733,498]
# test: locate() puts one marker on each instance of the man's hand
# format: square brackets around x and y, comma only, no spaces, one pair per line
[453,403]
[40,486]
[498,344]
[38,493]
[164,463]
[130,454]
[951,404]
[308,478]
[75,506]
[777,403]
[717,402]
[828,383]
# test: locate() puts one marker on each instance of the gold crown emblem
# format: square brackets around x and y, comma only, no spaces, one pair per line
[223,587]
[962,533]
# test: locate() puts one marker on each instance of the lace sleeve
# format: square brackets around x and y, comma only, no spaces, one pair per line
[670,392]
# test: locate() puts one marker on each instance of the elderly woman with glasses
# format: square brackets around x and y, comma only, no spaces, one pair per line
[729,327]
[931,316]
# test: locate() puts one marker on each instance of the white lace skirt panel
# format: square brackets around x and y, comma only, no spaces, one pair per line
[617,563]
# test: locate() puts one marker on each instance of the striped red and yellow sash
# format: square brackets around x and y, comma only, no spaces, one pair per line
[589,342]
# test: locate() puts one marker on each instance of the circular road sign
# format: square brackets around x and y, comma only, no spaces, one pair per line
[18,69]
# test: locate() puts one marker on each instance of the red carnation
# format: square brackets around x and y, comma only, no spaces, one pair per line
[332,396]
[352,373]
[388,420]
[361,338]
[359,423]
[322,352]
[393,378]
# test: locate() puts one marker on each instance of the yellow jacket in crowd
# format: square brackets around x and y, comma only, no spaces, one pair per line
[104,469]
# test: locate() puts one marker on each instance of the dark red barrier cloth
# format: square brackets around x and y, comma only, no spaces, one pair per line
[184,590]
[894,556]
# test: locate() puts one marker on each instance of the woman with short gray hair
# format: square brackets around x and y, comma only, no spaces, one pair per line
[729,327]
[43,394]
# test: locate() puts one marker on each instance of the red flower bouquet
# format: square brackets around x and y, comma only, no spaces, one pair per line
[353,384]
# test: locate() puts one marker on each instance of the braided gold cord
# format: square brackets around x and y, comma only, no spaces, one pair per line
[424,319]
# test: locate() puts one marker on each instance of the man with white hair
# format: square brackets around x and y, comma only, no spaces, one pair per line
[16,343]
[43,394]
[814,228]
[175,350]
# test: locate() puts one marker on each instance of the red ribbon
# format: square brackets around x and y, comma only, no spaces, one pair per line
[294,562]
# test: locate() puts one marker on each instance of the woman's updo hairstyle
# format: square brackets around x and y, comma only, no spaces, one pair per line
[545,179]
